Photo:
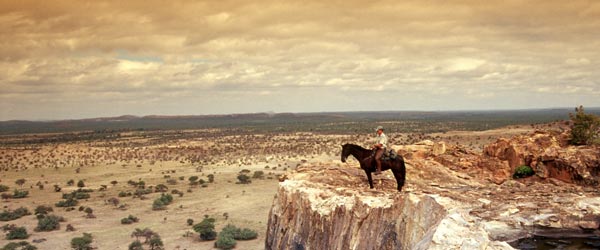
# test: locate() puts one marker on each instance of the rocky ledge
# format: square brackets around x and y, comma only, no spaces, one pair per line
[452,200]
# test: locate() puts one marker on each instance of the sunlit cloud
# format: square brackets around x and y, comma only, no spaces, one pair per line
[72,59]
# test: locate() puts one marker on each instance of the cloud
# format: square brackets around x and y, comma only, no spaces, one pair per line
[182,57]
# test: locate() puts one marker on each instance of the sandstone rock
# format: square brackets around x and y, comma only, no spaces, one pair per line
[312,211]
[439,148]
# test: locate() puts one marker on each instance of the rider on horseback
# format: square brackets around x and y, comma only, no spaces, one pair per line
[379,147]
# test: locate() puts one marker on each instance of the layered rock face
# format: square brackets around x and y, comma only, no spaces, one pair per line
[453,199]
[549,156]
[322,207]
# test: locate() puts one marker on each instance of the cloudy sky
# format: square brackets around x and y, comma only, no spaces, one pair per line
[80,59]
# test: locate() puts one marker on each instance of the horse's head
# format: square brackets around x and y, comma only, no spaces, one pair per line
[345,152]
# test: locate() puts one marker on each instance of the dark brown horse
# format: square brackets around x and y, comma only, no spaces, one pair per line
[367,163]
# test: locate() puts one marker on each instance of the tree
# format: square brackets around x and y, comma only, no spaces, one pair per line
[206,229]
[20,182]
[82,243]
[585,129]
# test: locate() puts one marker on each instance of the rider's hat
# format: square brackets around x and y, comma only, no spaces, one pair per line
[378,128]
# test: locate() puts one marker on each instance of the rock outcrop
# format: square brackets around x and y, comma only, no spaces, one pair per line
[549,156]
[454,199]
[320,207]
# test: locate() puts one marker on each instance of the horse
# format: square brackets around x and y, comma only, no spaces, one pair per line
[367,163]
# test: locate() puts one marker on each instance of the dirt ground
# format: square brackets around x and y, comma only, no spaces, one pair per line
[243,205]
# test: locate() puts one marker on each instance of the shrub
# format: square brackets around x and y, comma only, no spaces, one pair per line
[211,178]
[243,179]
[225,242]
[190,222]
[23,245]
[20,182]
[70,182]
[585,129]
[136,245]
[161,188]
[15,233]
[124,194]
[3,188]
[206,229]
[41,209]
[8,215]
[523,171]
[67,203]
[82,243]
[239,233]
[80,184]
[49,223]
[17,194]
[258,174]
[78,194]
[156,243]
[129,219]
[162,201]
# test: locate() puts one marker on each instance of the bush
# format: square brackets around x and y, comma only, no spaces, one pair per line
[67,203]
[41,209]
[3,188]
[161,202]
[129,219]
[211,178]
[15,233]
[190,222]
[225,242]
[80,184]
[239,233]
[17,194]
[23,245]
[79,194]
[523,171]
[258,174]
[49,223]
[585,129]
[70,182]
[136,245]
[8,215]
[244,179]
[82,243]
[206,229]
[156,243]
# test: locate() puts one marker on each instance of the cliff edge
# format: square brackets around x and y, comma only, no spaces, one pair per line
[452,200]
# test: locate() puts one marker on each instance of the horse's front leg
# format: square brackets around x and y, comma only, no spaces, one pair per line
[370,178]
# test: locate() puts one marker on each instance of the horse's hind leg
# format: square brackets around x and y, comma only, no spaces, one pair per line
[399,175]
[370,178]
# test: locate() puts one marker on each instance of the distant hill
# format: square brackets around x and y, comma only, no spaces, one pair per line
[329,122]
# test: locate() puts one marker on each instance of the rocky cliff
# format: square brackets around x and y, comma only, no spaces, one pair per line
[453,200]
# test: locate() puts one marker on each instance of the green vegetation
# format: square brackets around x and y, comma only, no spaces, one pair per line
[585,129]
[18,194]
[3,188]
[230,233]
[67,203]
[258,175]
[151,238]
[129,219]
[206,229]
[136,245]
[8,215]
[523,171]
[82,243]
[22,245]
[15,233]
[162,201]
[243,179]
[49,223]
[80,184]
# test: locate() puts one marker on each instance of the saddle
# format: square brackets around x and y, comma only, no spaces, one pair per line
[389,155]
